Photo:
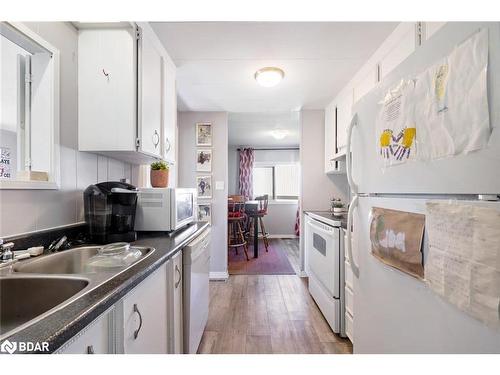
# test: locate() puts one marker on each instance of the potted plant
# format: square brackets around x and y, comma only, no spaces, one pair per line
[337,206]
[159,174]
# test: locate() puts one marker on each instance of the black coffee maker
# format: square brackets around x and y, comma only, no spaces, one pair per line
[110,212]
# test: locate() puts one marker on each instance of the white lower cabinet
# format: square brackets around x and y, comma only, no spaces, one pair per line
[148,320]
[175,322]
[96,338]
[349,295]
[142,316]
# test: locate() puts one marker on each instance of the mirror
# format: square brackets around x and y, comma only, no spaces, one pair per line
[29,109]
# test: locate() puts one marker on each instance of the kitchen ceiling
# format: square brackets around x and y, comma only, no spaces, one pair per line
[216,61]
[255,129]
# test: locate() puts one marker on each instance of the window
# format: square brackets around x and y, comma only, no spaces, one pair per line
[280,181]
[29,133]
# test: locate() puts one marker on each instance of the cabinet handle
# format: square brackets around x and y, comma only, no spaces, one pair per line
[90,349]
[156,139]
[168,146]
[180,276]
[136,332]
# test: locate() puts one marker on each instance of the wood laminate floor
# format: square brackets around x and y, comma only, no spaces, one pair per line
[267,314]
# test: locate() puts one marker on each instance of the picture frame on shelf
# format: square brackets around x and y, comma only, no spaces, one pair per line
[205,212]
[204,134]
[204,186]
[204,160]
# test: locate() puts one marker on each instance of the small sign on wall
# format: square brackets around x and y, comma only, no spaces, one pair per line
[5,163]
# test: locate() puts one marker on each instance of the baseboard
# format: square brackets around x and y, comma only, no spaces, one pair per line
[222,276]
[302,274]
[284,236]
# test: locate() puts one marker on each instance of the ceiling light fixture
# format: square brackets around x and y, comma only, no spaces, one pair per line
[269,76]
[279,133]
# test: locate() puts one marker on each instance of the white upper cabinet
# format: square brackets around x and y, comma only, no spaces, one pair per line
[107,100]
[344,110]
[126,93]
[431,28]
[151,96]
[170,117]
[400,46]
[365,83]
[329,137]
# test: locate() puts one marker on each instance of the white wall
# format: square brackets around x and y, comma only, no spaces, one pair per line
[233,170]
[317,187]
[29,210]
[187,177]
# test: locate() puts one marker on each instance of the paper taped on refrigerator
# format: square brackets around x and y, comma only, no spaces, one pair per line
[463,264]
[396,124]
[451,102]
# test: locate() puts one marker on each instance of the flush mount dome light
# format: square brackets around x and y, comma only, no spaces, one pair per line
[279,133]
[269,76]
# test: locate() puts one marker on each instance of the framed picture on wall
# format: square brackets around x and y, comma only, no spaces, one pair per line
[204,160]
[203,134]
[205,212]
[204,186]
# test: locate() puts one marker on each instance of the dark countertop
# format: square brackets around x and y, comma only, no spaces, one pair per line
[63,324]
[330,217]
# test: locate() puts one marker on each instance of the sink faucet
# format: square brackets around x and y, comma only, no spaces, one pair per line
[6,254]
[61,243]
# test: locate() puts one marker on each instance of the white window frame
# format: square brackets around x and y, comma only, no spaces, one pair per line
[54,173]
[272,199]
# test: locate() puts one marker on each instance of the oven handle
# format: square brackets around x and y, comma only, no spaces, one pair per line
[352,206]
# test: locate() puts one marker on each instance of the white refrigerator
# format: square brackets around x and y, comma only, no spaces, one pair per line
[394,312]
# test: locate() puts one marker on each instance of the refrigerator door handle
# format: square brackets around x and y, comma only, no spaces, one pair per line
[352,184]
[352,206]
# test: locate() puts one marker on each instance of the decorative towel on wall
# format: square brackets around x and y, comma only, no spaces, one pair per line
[247,158]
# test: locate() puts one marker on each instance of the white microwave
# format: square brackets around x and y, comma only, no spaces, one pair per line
[164,209]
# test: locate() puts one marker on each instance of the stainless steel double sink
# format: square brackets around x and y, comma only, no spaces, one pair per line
[30,290]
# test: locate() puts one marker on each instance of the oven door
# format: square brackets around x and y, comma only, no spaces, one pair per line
[323,254]
[184,207]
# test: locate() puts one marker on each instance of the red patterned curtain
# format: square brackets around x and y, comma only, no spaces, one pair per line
[246,168]
[297,221]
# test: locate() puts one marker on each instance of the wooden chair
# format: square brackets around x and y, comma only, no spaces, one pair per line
[263,201]
[236,219]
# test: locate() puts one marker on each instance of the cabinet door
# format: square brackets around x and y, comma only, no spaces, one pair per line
[329,137]
[402,48]
[431,28]
[107,101]
[344,108]
[151,96]
[96,338]
[175,332]
[144,315]
[365,84]
[170,120]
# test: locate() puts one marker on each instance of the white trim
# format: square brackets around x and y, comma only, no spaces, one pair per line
[222,276]
[35,185]
[276,202]
[283,236]
[302,274]
[54,174]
